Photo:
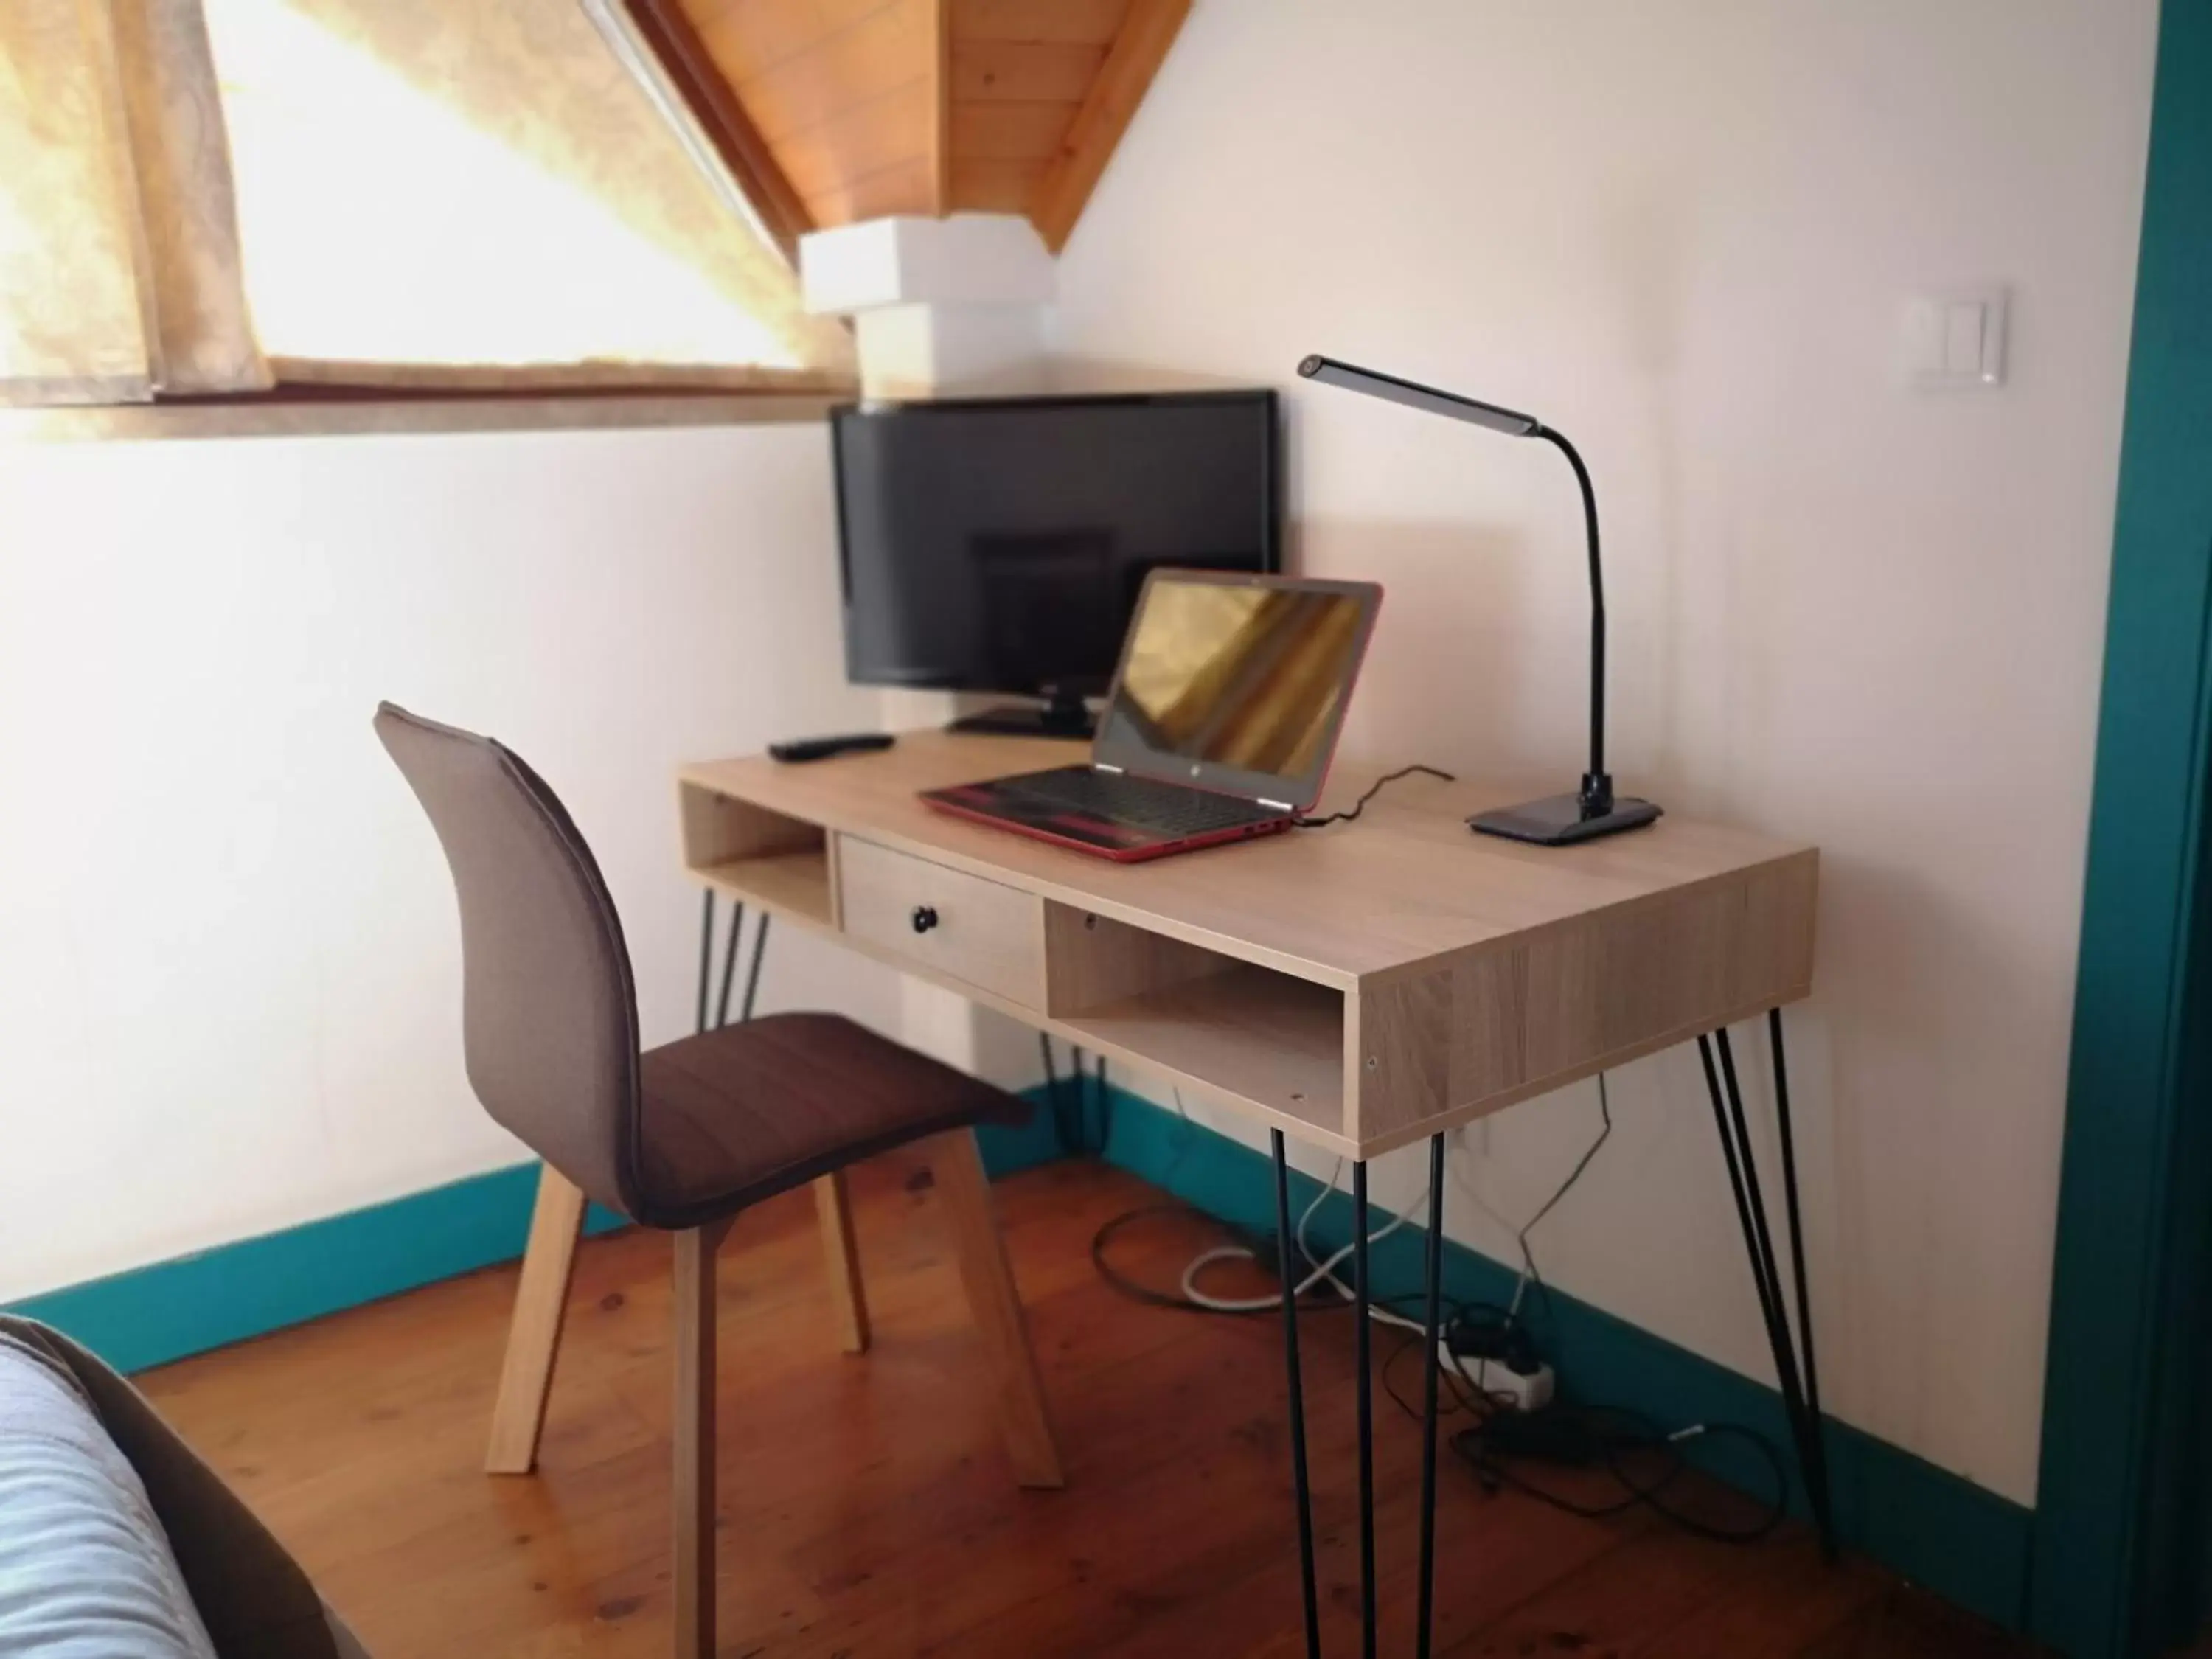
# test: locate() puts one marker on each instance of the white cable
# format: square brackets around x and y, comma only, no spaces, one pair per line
[1324,1272]
[1239,1253]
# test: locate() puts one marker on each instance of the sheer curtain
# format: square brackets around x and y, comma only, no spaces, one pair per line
[222,196]
[75,323]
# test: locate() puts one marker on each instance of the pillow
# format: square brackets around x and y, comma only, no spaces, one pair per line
[86,1571]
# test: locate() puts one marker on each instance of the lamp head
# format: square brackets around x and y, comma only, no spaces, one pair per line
[1352,378]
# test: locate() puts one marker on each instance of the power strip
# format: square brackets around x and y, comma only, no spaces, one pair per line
[1521,1391]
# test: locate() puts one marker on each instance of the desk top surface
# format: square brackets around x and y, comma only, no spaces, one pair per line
[1347,905]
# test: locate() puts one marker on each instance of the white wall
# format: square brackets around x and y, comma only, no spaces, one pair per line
[1683,234]
[230,992]
[229,968]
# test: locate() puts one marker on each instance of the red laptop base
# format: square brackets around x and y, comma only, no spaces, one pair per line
[1105,838]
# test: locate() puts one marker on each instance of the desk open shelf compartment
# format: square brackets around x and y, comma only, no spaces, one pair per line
[1264,1037]
[761,857]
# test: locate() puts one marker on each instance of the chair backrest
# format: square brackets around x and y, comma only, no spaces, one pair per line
[549,1009]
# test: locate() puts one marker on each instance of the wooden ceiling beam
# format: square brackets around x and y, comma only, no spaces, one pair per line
[940,131]
[668,30]
[1131,61]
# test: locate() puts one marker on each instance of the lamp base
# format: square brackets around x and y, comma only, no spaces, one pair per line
[1559,820]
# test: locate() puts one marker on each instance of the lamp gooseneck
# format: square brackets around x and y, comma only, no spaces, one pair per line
[1597,785]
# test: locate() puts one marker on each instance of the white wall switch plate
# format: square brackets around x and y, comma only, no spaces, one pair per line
[1956,340]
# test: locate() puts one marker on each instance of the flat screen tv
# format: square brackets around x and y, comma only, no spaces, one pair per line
[999,544]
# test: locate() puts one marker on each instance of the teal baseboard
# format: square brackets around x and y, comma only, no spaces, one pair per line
[1008,1149]
[168,1310]
[1957,1540]
[152,1314]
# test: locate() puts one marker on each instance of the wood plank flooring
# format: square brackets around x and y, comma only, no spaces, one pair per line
[867,1511]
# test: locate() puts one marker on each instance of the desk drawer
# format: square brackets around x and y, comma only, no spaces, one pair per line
[969,928]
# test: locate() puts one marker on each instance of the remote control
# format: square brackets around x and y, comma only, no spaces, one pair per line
[815,749]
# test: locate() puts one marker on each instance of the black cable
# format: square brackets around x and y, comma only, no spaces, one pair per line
[1778,1506]
[1464,1395]
[1581,1437]
[1566,1435]
[1577,1435]
[1373,789]
[1586,1437]
[1116,1281]
[1467,1393]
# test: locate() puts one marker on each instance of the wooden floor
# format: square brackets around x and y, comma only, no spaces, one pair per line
[867,1508]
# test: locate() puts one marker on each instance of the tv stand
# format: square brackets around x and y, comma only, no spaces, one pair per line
[1063,716]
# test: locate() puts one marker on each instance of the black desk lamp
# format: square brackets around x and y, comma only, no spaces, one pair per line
[1592,811]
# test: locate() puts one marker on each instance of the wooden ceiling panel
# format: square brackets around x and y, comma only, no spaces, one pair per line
[1084,22]
[891,48]
[907,188]
[1019,71]
[993,186]
[868,107]
[1023,71]
[1009,132]
[763,33]
[885,132]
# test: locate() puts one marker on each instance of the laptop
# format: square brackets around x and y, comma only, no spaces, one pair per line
[1224,714]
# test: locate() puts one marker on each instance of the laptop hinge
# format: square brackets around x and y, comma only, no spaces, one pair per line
[1279,806]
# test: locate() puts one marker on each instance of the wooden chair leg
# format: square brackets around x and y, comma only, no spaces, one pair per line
[533,1335]
[849,1297]
[694,1481]
[997,1307]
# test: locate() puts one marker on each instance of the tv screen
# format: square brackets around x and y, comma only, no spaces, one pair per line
[999,545]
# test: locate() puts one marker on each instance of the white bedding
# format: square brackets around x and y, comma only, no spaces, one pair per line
[86,1571]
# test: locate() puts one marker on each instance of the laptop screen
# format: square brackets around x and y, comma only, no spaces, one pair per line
[1237,683]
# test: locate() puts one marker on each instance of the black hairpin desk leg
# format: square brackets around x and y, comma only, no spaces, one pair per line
[1820,1474]
[706,951]
[1297,1394]
[1363,1398]
[1794,1366]
[1425,1618]
[729,959]
[752,974]
[1364,1403]
[720,1001]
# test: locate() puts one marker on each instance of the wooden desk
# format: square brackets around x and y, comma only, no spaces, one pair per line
[1360,987]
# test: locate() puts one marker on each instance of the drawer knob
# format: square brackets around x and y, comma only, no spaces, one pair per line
[925,918]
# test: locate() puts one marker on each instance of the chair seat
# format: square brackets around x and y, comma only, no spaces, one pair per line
[735,1116]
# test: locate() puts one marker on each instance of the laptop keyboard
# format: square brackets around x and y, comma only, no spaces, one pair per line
[1165,809]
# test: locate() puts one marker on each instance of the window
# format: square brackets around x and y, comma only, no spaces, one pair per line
[228,196]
